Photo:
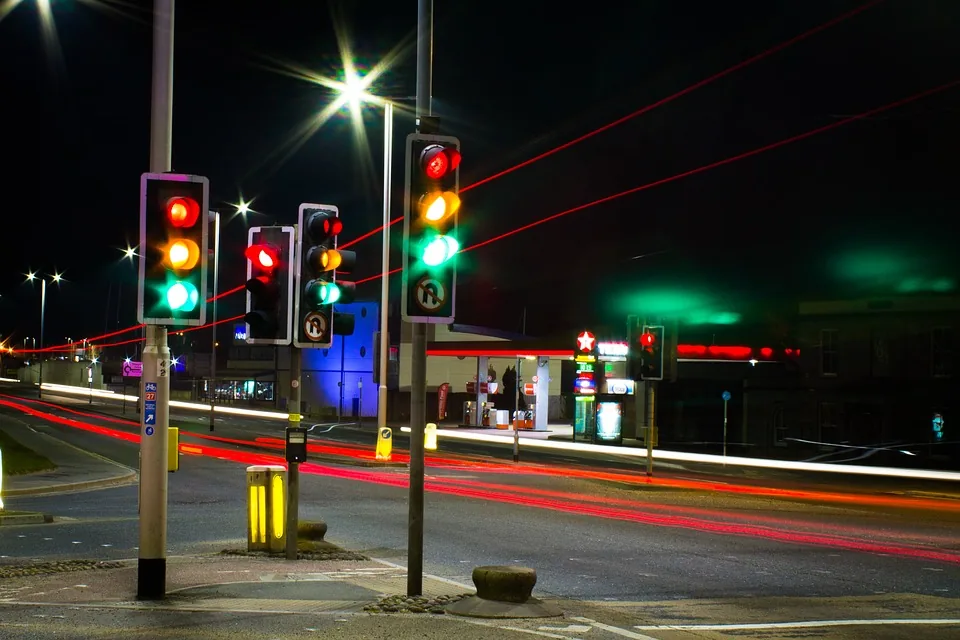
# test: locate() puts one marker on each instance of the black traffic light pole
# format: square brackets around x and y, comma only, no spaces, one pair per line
[418,369]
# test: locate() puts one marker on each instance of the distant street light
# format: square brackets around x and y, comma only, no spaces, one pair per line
[55,278]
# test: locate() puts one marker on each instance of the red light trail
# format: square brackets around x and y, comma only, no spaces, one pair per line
[650,107]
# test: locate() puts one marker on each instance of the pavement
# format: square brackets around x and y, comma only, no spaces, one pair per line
[77,469]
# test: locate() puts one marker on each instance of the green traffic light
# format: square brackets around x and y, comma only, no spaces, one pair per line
[182,296]
[329,293]
[439,250]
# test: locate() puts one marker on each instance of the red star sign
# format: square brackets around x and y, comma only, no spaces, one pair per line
[586,341]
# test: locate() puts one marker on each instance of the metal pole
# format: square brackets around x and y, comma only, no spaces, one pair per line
[385,270]
[418,368]
[43,315]
[724,433]
[651,422]
[516,420]
[152,560]
[213,338]
[293,468]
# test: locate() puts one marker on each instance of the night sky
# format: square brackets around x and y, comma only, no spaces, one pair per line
[867,209]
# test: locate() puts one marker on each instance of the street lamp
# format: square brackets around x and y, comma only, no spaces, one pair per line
[54,279]
[353,92]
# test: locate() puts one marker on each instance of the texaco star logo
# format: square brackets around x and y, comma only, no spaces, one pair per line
[586,341]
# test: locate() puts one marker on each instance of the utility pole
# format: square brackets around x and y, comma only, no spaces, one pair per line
[293,468]
[213,328]
[384,337]
[152,554]
[418,380]
[651,422]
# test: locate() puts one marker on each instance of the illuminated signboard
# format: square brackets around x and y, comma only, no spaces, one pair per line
[620,386]
[240,332]
[613,349]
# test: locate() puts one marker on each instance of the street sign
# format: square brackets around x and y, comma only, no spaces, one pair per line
[132,369]
[726,396]
[150,406]
[430,294]
[314,326]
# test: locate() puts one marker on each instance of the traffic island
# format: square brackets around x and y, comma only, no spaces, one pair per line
[417,604]
[504,592]
[48,568]
[11,518]
[306,550]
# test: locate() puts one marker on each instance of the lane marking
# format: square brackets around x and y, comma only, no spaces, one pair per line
[615,630]
[796,625]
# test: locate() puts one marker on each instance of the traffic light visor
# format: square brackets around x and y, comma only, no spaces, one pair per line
[322,225]
[182,212]
[437,206]
[263,256]
[182,254]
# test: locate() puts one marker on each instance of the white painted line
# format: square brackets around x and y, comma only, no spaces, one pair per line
[491,625]
[570,628]
[615,630]
[427,575]
[797,625]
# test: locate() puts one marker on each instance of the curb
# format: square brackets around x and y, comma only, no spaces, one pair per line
[26,518]
[68,487]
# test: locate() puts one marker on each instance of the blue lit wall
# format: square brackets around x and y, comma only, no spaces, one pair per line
[322,367]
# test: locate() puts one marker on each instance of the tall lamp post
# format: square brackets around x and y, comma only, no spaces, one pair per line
[54,279]
[353,92]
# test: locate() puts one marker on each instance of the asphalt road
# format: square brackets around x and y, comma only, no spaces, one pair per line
[248,427]
[588,540]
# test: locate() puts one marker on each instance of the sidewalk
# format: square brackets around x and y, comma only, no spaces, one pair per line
[76,469]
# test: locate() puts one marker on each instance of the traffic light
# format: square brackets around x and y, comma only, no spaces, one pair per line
[173,249]
[270,260]
[650,347]
[319,287]
[430,243]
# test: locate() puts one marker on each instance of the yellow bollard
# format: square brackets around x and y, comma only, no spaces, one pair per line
[173,449]
[266,508]
[430,436]
[384,444]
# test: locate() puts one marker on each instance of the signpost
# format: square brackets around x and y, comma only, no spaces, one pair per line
[726,399]
[132,369]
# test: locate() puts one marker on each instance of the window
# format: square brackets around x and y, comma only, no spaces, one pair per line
[829,352]
[829,423]
[941,346]
[779,428]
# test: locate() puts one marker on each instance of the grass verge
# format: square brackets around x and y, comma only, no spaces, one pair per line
[18,459]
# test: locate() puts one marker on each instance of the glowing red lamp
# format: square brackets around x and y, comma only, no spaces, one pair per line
[263,256]
[182,212]
[647,340]
[438,161]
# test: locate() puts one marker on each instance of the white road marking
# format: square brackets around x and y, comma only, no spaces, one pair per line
[570,628]
[615,630]
[796,625]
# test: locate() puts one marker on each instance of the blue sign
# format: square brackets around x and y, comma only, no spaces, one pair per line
[937,426]
[149,431]
[151,386]
[725,396]
[149,412]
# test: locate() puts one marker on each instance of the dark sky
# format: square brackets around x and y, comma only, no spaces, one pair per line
[866,209]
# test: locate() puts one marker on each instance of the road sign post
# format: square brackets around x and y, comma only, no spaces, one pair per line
[726,398]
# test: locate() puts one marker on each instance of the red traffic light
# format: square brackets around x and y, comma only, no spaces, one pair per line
[437,161]
[322,225]
[263,256]
[647,340]
[182,212]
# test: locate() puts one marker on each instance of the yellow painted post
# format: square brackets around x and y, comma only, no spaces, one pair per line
[430,436]
[257,508]
[276,508]
[173,449]
[385,444]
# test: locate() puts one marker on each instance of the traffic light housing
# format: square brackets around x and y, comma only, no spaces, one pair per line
[319,286]
[270,268]
[173,249]
[650,345]
[430,241]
